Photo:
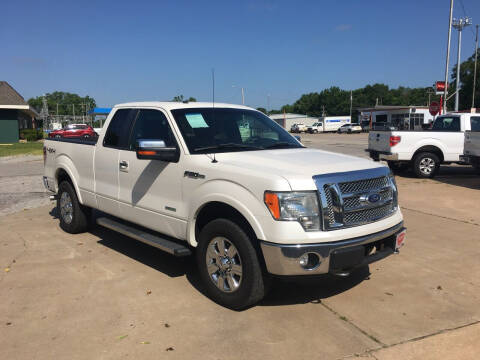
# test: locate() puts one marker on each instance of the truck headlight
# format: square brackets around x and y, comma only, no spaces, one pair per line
[295,206]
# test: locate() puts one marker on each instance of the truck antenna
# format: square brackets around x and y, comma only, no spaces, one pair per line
[214,160]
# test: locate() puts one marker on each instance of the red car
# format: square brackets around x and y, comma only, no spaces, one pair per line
[74,131]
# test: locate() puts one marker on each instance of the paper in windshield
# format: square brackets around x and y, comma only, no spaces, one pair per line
[196,121]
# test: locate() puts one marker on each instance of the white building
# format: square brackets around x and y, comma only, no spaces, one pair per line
[287,120]
[400,117]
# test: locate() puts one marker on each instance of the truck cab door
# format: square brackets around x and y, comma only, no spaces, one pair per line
[150,192]
[106,160]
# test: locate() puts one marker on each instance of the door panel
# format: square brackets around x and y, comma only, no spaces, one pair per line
[150,190]
[106,179]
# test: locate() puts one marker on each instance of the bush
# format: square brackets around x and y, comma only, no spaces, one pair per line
[31,134]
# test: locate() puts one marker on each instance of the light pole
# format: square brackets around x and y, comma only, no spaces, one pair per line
[243,94]
[475,69]
[459,24]
[448,58]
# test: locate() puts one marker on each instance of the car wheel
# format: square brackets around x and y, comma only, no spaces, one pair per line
[425,165]
[58,136]
[315,131]
[86,136]
[74,217]
[229,266]
[349,131]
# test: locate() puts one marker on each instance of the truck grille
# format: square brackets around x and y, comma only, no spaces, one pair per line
[369,196]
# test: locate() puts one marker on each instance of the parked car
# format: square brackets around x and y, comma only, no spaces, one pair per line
[315,128]
[350,128]
[74,131]
[251,203]
[424,150]
[298,128]
[471,151]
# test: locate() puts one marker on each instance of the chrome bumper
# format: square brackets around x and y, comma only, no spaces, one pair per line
[283,259]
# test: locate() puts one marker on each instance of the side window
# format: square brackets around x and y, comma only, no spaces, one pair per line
[475,123]
[151,124]
[119,129]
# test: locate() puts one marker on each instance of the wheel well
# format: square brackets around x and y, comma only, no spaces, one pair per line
[62,175]
[431,149]
[215,210]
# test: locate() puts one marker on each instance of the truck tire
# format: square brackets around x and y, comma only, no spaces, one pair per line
[229,266]
[74,217]
[425,165]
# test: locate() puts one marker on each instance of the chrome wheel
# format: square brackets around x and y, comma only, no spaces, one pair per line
[224,264]
[66,207]
[427,165]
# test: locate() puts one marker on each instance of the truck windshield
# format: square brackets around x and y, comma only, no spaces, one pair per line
[208,130]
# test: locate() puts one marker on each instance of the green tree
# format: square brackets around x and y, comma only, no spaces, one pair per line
[263,110]
[180,98]
[65,102]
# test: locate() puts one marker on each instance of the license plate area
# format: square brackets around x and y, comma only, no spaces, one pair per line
[400,239]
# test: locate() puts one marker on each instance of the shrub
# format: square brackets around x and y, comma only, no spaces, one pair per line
[31,134]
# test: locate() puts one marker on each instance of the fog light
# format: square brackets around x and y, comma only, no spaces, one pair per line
[309,261]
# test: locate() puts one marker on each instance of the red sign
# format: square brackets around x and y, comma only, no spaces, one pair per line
[434,108]
[440,85]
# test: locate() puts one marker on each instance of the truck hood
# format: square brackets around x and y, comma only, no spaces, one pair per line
[297,166]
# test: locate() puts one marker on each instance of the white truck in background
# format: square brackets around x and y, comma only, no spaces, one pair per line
[471,152]
[228,184]
[423,150]
[328,124]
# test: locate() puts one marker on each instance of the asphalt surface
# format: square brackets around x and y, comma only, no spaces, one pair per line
[100,295]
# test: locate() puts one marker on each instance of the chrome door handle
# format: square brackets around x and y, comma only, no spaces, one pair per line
[123,165]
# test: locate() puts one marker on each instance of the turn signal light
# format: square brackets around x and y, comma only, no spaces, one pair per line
[147,152]
[271,200]
[394,140]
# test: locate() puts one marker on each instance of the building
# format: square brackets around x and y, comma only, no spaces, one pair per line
[399,117]
[287,120]
[15,114]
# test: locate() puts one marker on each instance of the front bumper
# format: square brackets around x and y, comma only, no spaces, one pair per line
[335,257]
[382,155]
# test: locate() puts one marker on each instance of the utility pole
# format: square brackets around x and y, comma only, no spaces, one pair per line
[459,24]
[351,101]
[448,58]
[475,69]
[243,96]
[268,103]
[430,92]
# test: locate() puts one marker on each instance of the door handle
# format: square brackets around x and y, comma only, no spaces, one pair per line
[123,165]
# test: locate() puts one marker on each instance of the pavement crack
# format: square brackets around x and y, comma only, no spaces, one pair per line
[441,216]
[344,318]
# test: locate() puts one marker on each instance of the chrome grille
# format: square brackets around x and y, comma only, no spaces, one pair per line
[369,196]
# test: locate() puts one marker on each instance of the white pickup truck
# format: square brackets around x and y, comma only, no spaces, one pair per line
[472,144]
[423,150]
[229,184]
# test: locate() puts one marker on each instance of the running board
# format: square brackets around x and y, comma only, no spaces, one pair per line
[168,246]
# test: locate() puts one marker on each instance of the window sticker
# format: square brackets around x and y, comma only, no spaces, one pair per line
[196,121]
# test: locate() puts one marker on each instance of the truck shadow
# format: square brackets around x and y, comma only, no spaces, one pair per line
[283,291]
[299,290]
[463,176]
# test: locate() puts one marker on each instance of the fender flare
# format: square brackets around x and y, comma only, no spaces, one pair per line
[238,198]
[66,164]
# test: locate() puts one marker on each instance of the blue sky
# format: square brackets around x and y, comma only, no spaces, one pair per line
[118,51]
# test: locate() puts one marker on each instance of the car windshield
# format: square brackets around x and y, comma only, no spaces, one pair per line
[208,130]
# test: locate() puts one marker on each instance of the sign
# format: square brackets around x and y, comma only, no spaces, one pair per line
[434,108]
[440,87]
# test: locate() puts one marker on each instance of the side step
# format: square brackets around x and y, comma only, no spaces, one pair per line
[168,246]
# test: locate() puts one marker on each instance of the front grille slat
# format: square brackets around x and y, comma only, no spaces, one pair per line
[356,208]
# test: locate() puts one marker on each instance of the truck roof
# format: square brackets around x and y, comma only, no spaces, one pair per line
[172,105]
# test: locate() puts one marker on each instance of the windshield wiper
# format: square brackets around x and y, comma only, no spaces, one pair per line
[228,146]
[281,145]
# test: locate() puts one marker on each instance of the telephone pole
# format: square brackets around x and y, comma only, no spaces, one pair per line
[459,24]
[448,58]
[475,69]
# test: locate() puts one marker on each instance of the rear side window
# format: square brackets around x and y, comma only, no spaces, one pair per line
[119,129]
[447,123]
[475,123]
[152,125]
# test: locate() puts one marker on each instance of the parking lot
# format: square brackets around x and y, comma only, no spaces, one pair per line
[102,295]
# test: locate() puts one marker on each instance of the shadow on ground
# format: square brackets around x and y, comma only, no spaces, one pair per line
[464,176]
[283,291]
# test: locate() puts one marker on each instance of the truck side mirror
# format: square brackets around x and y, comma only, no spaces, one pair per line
[156,150]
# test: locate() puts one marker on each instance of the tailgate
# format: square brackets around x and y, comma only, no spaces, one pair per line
[472,143]
[379,141]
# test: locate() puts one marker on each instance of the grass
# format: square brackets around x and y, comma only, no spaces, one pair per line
[30,148]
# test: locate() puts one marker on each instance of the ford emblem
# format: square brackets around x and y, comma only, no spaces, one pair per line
[373,198]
